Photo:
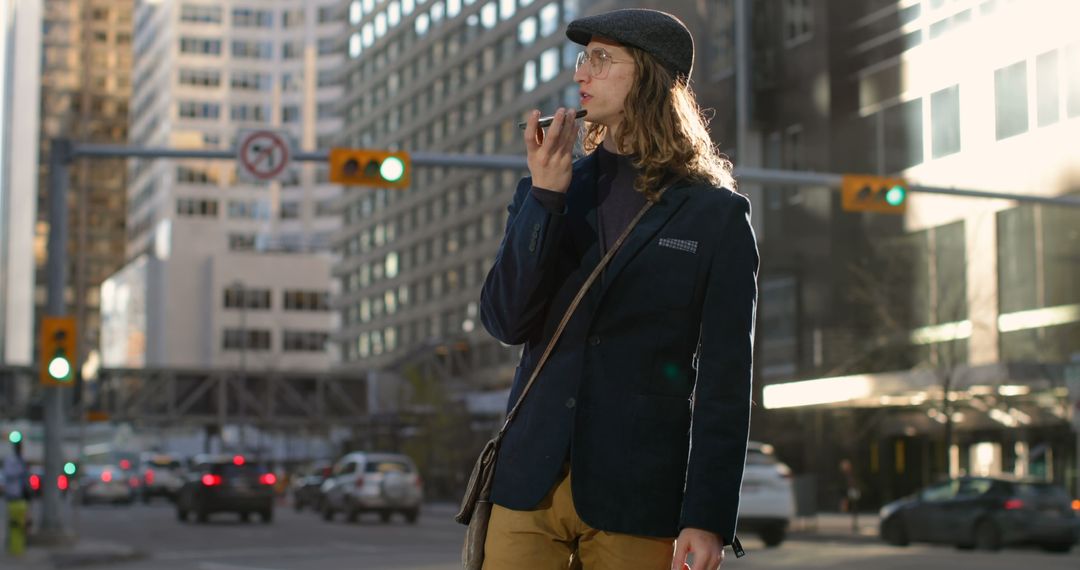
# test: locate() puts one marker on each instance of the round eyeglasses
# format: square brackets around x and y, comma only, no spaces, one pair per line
[599,62]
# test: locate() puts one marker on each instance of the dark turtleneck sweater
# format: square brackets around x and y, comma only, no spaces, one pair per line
[617,201]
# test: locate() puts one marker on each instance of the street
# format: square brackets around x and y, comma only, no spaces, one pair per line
[304,540]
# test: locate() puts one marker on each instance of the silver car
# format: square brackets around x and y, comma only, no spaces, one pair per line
[385,483]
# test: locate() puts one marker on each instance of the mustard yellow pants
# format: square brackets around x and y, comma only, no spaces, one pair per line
[554,537]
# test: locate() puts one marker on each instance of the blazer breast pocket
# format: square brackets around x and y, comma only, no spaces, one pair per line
[672,266]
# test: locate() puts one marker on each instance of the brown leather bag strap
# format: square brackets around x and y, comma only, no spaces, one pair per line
[573,306]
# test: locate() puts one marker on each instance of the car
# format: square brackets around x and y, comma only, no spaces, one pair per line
[767,502]
[160,475]
[987,513]
[231,484]
[385,483]
[106,484]
[306,486]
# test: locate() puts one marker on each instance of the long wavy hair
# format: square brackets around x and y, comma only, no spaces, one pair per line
[665,130]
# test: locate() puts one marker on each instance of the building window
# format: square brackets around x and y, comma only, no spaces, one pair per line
[192,207]
[200,77]
[290,114]
[903,135]
[249,210]
[250,18]
[721,39]
[247,298]
[200,14]
[549,19]
[289,211]
[1047,90]
[798,21]
[292,18]
[528,81]
[200,46]
[241,242]
[526,31]
[250,113]
[251,81]
[549,64]
[197,110]
[1010,99]
[489,15]
[300,300]
[246,339]
[945,121]
[328,14]
[250,49]
[303,341]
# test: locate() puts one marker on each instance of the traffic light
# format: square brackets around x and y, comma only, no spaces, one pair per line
[863,193]
[15,436]
[58,356]
[366,167]
[70,468]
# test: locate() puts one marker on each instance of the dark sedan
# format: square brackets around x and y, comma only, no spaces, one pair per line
[985,513]
[229,485]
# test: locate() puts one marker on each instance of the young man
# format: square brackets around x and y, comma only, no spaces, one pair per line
[634,434]
[16,478]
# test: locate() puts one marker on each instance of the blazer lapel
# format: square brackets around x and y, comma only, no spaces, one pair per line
[582,198]
[642,234]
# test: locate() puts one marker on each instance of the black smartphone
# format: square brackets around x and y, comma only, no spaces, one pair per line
[546,121]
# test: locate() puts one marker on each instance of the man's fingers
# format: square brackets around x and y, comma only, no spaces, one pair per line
[554,139]
[534,135]
[682,548]
[571,132]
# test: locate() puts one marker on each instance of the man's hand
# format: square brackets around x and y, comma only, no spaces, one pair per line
[551,157]
[707,547]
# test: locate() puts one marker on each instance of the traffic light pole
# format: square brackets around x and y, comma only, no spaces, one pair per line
[59,159]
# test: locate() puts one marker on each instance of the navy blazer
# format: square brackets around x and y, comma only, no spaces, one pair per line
[656,438]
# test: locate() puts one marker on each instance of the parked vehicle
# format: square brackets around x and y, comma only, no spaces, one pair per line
[767,504]
[385,483]
[226,484]
[307,486]
[985,513]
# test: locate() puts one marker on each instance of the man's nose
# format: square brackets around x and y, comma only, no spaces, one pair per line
[581,75]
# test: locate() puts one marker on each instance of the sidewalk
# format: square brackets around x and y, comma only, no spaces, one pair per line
[82,552]
[835,527]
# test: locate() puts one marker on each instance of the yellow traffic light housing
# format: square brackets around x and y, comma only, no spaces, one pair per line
[366,167]
[861,193]
[58,351]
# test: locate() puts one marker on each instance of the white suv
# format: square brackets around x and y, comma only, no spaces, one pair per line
[767,505]
[373,482]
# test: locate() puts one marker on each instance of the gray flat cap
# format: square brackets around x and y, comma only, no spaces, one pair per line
[660,34]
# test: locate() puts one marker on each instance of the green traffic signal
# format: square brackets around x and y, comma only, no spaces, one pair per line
[392,169]
[896,195]
[60,366]
[15,436]
[69,468]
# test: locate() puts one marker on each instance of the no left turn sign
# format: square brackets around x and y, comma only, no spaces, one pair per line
[262,155]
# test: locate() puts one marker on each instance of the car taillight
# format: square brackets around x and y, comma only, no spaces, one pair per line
[62,482]
[125,464]
[268,479]
[1014,504]
[106,476]
[211,480]
[149,476]
[35,483]
[359,482]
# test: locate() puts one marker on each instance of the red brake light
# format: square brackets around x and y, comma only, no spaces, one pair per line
[62,482]
[268,479]
[125,464]
[211,480]
[106,476]
[1014,504]
[149,476]
[238,460]
[35,482]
